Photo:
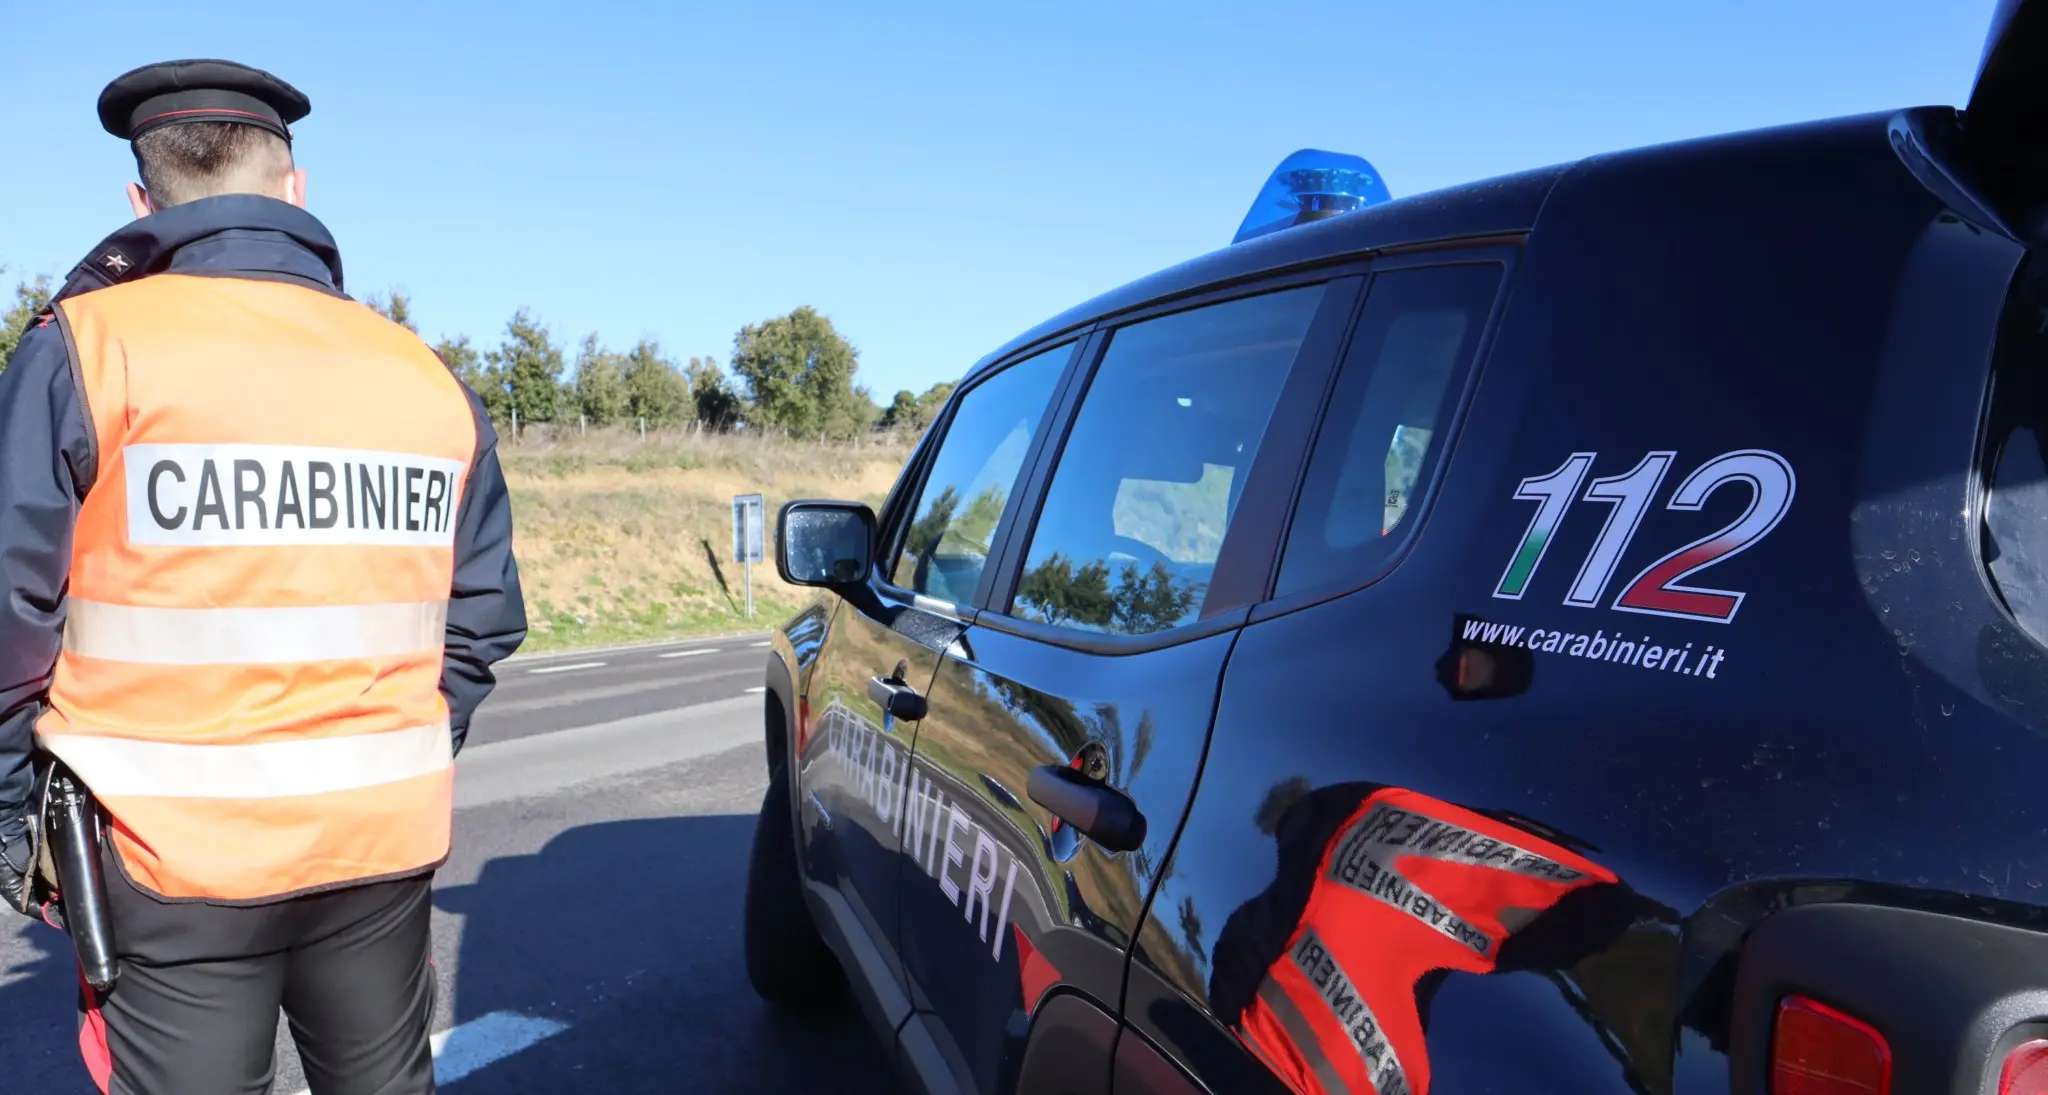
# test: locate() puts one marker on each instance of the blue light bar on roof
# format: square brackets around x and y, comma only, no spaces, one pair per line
[1311,185]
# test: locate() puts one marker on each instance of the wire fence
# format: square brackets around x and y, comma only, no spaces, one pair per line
[633,443]
[524,432]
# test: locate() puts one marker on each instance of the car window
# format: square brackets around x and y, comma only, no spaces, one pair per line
[1381,432]
[1150,474]
[972,475]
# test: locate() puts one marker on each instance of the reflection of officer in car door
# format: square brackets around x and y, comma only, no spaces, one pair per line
[259,565]
[1381,894]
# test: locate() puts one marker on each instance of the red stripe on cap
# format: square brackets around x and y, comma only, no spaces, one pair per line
[205,110]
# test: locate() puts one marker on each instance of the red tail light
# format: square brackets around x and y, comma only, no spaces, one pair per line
[803,728]
[2026,1069]
[1816,1050]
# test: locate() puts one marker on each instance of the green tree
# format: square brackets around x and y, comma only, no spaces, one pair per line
[601,395]
[395,306]
[901,413]
[655,388]
[852,417]
[717,405]
[799,374]
[932,402]
[463,360]
[468,366]
[529,365]
[30,297]
[915,413]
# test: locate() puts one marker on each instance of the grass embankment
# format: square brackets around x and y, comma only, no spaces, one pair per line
[622,540]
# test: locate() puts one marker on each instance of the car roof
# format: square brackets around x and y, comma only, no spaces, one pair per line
[1503,206]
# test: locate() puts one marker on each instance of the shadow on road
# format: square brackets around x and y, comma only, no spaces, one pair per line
[626,931]
[629,931]
[39,1007]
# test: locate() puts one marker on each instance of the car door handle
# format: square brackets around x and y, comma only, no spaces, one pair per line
[897,698]
[1097,811]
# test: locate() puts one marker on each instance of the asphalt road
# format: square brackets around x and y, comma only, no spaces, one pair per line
[543,695]
[587,926]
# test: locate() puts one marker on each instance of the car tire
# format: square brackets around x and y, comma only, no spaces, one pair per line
[787,960]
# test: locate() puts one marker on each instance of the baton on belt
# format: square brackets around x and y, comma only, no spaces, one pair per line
[72,834]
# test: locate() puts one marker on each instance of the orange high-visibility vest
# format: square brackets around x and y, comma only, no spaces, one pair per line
[1409,885]
[250,674]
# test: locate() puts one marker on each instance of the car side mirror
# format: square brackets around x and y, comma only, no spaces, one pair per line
[825,544]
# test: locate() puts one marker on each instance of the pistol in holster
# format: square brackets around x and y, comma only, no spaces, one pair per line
[66,833]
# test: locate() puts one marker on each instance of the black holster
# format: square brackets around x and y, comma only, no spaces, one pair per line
[70,834]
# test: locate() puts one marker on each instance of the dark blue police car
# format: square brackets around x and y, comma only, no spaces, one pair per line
[1585,631]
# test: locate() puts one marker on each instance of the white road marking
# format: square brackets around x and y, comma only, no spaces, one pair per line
[609,650]
[761,644]
[463,1049]
[761,688]
[567,668]
[467,1047]
[566,693]
[685,653]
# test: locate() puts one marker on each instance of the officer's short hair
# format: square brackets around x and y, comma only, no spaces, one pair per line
[182,163]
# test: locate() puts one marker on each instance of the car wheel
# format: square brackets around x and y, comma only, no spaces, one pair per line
[787,961]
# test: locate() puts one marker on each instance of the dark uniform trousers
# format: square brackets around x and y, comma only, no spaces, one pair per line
[194,1010]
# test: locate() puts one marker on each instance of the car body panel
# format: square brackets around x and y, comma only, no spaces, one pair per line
[2008,98]
[1859,721]
[1059,909]
[1072,1042]
[856,759]
[792,652]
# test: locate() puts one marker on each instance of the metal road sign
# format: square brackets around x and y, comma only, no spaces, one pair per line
[748,537]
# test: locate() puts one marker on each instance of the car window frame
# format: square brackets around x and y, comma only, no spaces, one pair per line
[1506,253]
[901,505]
[1321,347]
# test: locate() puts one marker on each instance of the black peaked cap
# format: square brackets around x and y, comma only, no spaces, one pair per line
[199,91]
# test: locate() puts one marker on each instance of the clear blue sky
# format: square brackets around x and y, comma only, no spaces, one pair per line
[934,177]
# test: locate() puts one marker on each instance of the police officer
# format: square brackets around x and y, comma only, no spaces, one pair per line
[258,563]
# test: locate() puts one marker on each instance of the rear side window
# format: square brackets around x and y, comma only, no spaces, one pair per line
[1151,473]
[1382,434]
[972,476]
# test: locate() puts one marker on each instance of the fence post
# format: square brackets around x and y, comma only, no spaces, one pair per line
[643,429]
[582,424]
[515,425]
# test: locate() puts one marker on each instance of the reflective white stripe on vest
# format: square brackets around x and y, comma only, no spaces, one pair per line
[271,769]
[252,636]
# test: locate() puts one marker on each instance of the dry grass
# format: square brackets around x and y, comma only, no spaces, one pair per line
[621,540]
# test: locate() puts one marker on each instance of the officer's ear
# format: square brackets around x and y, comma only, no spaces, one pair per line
[295,187]
[138,200]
